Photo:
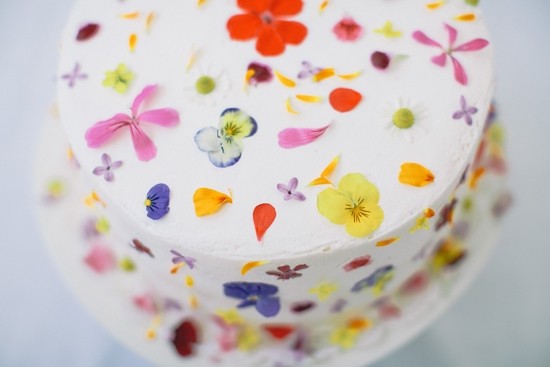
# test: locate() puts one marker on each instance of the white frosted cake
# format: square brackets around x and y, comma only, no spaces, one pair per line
[271,182]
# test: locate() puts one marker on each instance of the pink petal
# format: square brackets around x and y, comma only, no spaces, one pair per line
[425,40]
[103,131]
[293,137]
[146,92]
[460,73]
[143,145]
[452,35]
[164,117]
[474,45]
[100,259]
[440,60]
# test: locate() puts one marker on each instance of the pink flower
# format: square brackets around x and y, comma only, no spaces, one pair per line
[441,60]
[103,131]
[348,30]
[100,259]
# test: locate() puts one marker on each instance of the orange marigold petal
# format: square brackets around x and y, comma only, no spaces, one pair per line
[416,175]
[132,42]
[286,7]
[323,74]
[251,265]
[387,242]
[208,201]
[344,99]
[244,27]
[270,43]
[475,176]
[467,17]
[429,212]
[263,216]
[291,32]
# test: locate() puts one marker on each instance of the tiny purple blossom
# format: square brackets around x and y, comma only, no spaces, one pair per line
[74,75]
[290,190]
[107,169]
[308,70]
[179,258]
[465,111]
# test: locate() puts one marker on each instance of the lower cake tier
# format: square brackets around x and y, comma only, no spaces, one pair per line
[354,304]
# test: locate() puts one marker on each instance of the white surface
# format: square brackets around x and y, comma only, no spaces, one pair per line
[502,321]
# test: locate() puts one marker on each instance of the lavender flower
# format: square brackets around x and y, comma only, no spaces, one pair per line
[465,111]
[290,190]
[107,169]
[74,75]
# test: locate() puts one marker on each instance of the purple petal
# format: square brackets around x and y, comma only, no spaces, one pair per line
[109,176]
[292,184]
[164,117]
[440,60]
[298,196]
[469,120]
[463,103]
[116,164]
[106,159]
[235,290]
[159,195]
[98,171]
[452,35]
[474,45]
[471,110]
[247,303]
[146,92]
[458,115]
[269,306]
[425,40]
[460,73]
[282,188]
[190,262]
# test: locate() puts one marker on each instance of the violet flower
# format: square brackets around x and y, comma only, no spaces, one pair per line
[158,201]
[107,169]
[465,111]
[179,258]
[260,295]
[377,278]
[74,75]
[290,190]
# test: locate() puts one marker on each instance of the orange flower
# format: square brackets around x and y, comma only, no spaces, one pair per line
[262,20]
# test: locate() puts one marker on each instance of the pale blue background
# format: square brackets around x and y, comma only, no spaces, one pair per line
[503,320]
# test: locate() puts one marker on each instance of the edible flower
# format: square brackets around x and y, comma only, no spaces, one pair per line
[260,295]
[158,201]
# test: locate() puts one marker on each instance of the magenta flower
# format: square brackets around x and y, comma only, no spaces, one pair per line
[107,169]
[103,131]
[441,60]
[465,111]
[348,30]
[290,190]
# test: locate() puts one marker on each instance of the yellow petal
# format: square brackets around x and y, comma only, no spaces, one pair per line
[208,201]
[191,60]
[323,74]
[193,302]
[200,3]
[251,265]
[323,179]
[132,15]
[289,107]
[429,212]
[351,76]
[308,98]
[416,175]
[287,82]
[359,188]
[365,226]
[387,242]
[466,17]
[323,6]
[332,204]
[132,42]
[435,5]
[149,21]
[189,281]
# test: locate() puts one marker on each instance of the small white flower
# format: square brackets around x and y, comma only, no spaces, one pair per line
[206,85]
[405,119]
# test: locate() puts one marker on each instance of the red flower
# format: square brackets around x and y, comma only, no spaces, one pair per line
[184,337]
[262,20]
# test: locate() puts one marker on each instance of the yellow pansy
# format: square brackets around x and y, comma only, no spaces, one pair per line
[354,204]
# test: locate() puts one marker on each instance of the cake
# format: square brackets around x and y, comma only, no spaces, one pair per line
[282,182]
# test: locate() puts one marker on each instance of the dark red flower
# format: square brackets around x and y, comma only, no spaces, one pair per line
[184,338]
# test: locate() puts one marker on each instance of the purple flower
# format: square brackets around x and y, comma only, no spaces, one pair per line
[380,275]
[107,169]
[179,258]
[74,75]
[285,272]
[158,201]
[290,190]
[308,70]
[259,73]
[465,111]
[260,295]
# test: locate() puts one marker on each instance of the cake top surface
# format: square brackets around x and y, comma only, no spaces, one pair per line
[274,127]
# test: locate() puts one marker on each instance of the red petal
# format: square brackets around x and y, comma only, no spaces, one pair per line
[263,216]
[244,27]
[286,7]
[270,42]
[88,31]
[254,6]
[279,332]
[344,99]
[291,32]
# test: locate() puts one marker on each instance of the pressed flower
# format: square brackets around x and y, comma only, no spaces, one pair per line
[348,30]
[289,190]
[441,60]
[258,73]
[324,290]
[107,169]
[141,248]
[415,174]
[126,264]
[263,216]
[296,137]
[185,336]
[260,295]
[266,21]
[224,145]
[354,204]
[158,201]
[344,99]
[465,111]
[206,86]
[100,258]
[181,259]
[405,119]
[103,131]
[344,337]
[377,280]
[74,75]
[285,272]
[119,79]
[208,201]
[423,221]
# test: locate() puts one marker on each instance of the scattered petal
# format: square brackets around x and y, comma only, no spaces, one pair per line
[251,265]
[344,99]
[308,98]
[87,31]
[358,262]
[387,242]
[289,107]
[323,178]
[101,259]
[287,82]
[132,42]
[184,338]
[263,216]
[351,76]
[296,137]
[208,201]
[466,17]
[323,74]
[279,331]
[416,175]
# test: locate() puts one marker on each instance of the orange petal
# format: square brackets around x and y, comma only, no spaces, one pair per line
[467,17]
[255,6]
[323,6]
[270,43]
[291,32]
[323,179]
[251,265]
[359,324]
[263,216]
[416,175]
[435,5]
[429,212]
[351,76]
[287,7]
[208,201]
[244,27]
[308,98]
[474,178]
[344,99]
[387,242]
[149,20]
[132,42]
[323,74]
[289,107]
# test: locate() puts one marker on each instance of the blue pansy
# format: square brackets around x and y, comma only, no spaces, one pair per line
[224,145]
[157,203]
[260,295]
[376,280]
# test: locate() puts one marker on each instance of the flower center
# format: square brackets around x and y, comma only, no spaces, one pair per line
[205,85]
[357,211]
[267,17]
[231,129]
[403,118]
[148,202]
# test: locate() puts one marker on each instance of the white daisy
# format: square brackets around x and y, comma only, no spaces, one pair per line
[405,119]
[206,85]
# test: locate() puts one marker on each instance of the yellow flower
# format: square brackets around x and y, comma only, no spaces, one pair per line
[248,338]
[119,79]
[324,290]
[354,204]
[344,337]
